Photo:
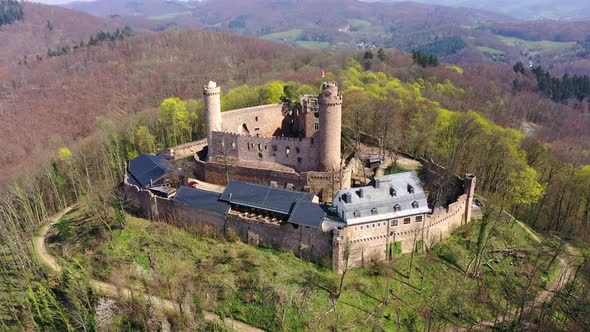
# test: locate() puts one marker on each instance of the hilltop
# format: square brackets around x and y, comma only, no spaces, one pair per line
[45,27]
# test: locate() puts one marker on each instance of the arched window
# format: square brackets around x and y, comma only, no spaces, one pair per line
[415,204]
[397,208]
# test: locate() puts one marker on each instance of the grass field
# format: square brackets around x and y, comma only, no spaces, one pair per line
[536,47]
[278,292]
[490,51]
[170,16]
[290,35]
[312,44]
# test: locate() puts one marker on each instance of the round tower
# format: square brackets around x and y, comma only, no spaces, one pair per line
[212,95]
[330,110]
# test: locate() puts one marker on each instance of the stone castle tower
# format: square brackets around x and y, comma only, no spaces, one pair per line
[212,95]
[469,184]
[330,110]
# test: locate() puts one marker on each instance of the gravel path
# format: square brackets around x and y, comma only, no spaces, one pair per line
[114,291]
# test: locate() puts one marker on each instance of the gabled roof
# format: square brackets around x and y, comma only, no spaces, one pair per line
[147,170]
[201,199]
[379,201]
[308,214]
[263,197]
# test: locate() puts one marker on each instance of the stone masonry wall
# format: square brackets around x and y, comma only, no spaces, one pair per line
[318,183]
[299,153]
[268,119]
[373,243]
[307,243]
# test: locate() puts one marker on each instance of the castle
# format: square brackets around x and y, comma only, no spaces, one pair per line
[295,149]
[274,165]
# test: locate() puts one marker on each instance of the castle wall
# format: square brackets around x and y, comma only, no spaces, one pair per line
[375,243]
[299,153]
[189,149]
[267,118]
[306,243]
[322,184]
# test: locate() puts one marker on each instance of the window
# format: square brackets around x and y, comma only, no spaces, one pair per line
[233,145]
[397,208]
[373,225]
[299,160]
[260,155]
[374,211]
[297,149]
[410,189]
[287,150]
[394,222]
[316,126]
[256,119]
[406,221]
[357,214]
[415,204]
[392,192]
[418,218]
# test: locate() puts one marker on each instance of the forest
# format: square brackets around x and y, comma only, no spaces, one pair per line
[10,11]
[563,89]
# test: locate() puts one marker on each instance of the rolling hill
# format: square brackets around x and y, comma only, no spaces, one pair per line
[524,9]
[45,27]
[455,34]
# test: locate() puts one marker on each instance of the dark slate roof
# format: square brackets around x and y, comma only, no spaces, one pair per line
[201,199]
[147,169]
[308,214]
[263,197]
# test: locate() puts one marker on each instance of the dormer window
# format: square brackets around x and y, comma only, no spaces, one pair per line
[397,208]
[415,204]
[374,211]
[410,189]
[392,192]
[357,214]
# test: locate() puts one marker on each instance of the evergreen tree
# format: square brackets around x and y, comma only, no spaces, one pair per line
[381,54]
[518,68]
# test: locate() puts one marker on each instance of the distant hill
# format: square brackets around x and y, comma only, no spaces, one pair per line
[45,27]
[524,9]
[455,34]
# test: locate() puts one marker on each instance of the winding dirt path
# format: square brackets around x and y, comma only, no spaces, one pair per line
[566,272]
[114,291]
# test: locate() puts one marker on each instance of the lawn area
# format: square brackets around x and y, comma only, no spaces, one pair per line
[278,292]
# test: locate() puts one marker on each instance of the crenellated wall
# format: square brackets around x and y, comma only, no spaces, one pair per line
[301,154]
[372,241]
[304,242]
